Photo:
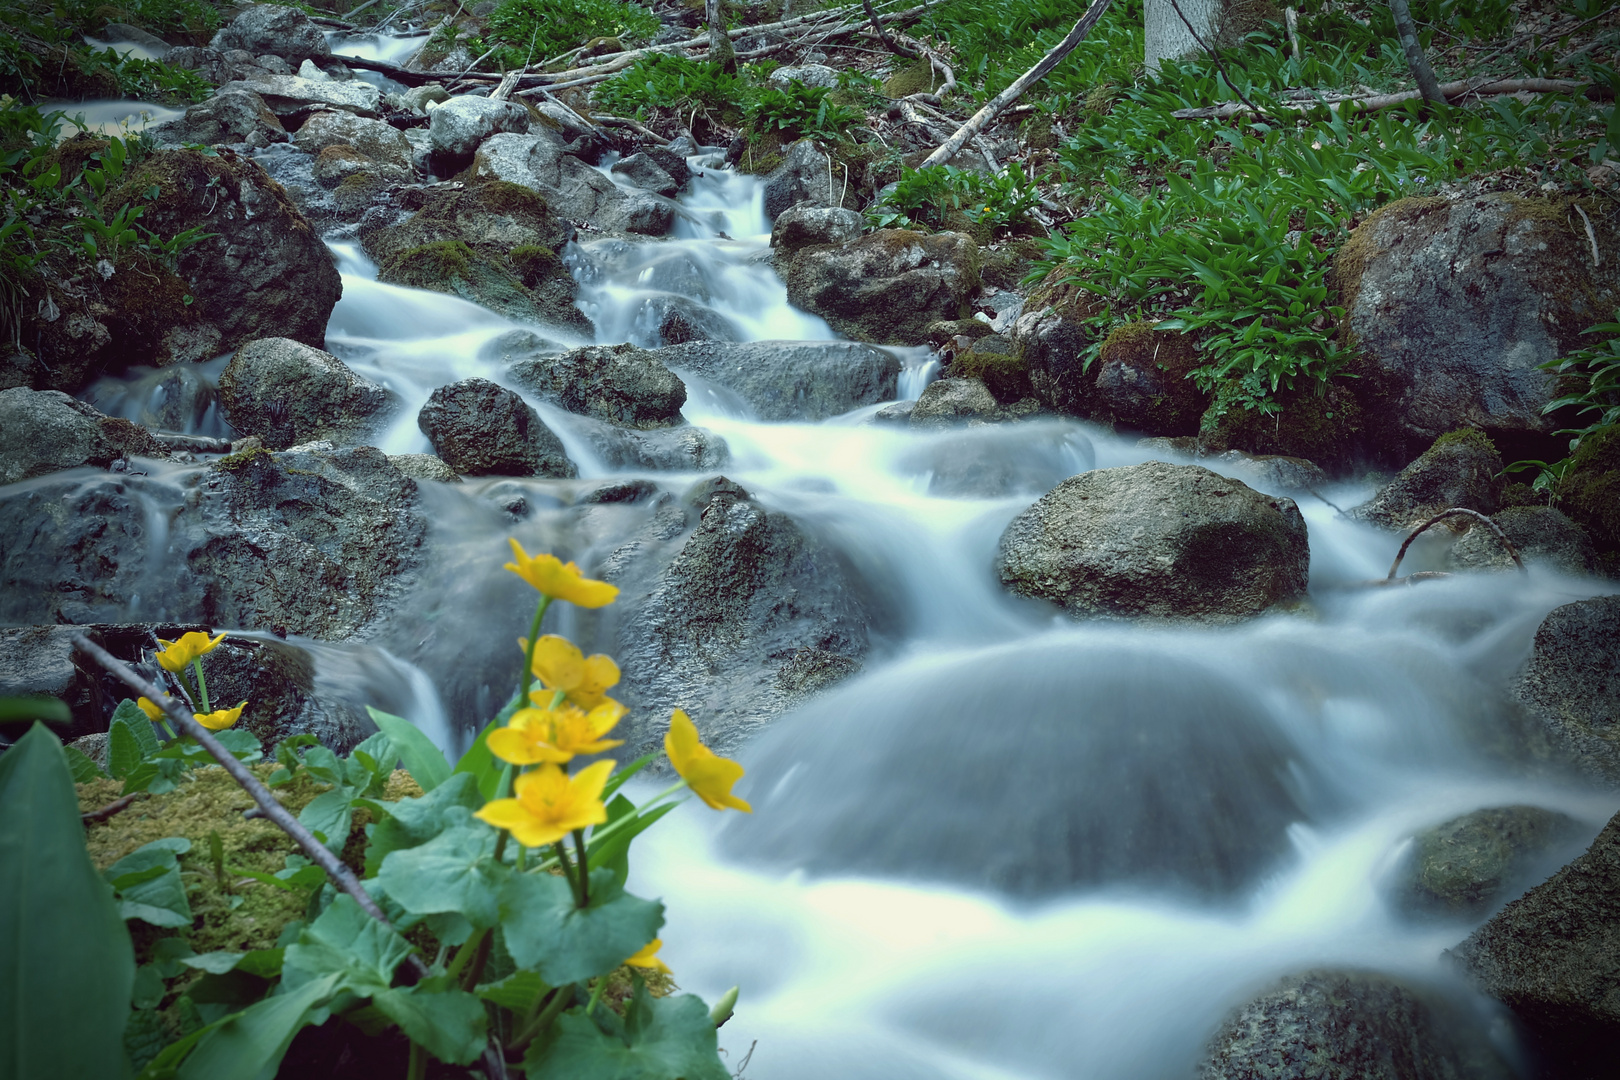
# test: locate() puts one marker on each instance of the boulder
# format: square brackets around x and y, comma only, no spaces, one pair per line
[424,467]
[457,127]
[674,449]
[1590,493]
[1340,1025]
[948,401]
[336,164]
[791,380]
[573,189]
[1142,381]
[642,171]
[618,383]
[290,96]
[1053,334]
[1462,469]
[1275,472]
[233,116]
[1542,535]
[377,140]
[1552,956]
[209,64]
[45,431]
[478,428]
[1464,867]
[994,361]
[1571,683]
[805,175]
[1455,302]
[270,28]
[287,393]
[802,226]
[806,75]
[264,272]
[1160,541]
[886,287]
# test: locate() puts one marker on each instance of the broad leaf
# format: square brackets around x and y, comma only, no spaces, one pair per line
[661,1039]
[456,872]
[251,1044]
[520,992]
[328,815]
[348,943]
[66,965]
[416,821]
[614,851]
[484,766]
[130,740]
[448,1024]
[546,933]
[422,759]
[149,884]
[84,769]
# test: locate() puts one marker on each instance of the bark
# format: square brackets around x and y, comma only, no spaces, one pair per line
[1428,85]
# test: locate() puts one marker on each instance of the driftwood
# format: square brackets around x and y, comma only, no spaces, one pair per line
[1443,515]
[1452,91]
[993,108]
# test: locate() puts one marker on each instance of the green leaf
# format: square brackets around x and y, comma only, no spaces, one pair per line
[545,932]
[484,766]
[614,852]
[149,885]
[66,964]
[662,1039]
[416,821]
[625,772]
[348,943]
[455,872]
[328,814]
[18,710]
[422,759]
[130,740]
[215,963]
[449,1024]
[520,992]
[83,767]
[251,1044]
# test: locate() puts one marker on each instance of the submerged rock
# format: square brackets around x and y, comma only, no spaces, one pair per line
[888,286]
[682,449]
[791,380]
[617,383]
[287,393]
[479,428]
[947,401]
[45,431]
[1464,867]
[1157,540]
[1462,469]
[1571,683]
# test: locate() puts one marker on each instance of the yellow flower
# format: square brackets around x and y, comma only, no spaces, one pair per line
[556,735]
[550,804]
[177,654]
[706,773]
[219,719]
[648,958]
[152,709]
[560,580]
[559,665]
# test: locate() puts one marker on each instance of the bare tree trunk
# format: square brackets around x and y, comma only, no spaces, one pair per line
[1428,85]
[720,50]
[1167,36]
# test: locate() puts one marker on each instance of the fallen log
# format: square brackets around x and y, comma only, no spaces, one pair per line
[1454,92]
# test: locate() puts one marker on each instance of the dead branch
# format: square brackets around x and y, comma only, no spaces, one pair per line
[105,812]
[1456,511]
[883,35]
[1453,92]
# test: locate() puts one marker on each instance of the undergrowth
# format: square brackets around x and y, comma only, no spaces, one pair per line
[43,53]
[531,31]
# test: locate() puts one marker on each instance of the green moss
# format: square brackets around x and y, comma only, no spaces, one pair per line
[244,458]
[763,154]
[432,263]
[917,77]
[534,264]
[1590,491]
[1464,437]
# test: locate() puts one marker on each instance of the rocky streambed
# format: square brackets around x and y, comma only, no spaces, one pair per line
[1080,738]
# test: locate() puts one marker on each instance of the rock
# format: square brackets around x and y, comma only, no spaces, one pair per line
[572,188]
[805,175]
[573,127]
[1552,957]
[888,286]
[996,461]
[806,75]
[377,140]
[1590,493]
[946,401]
[264,272]
[681,320]
[41,661]
[791,380]
[1463,868]
[134,35]
[478,428]
[272,64]
[336,164]
[488,241]
[676,449]
[1156,540]
[618,383]
[1142,381]
[643,172]
[287,393]
[271,28]
[424,467]
[802,226]
[1571,683]
[230,116]
[1542,535]
[1053,336]
[209,64]
[1462,469]
[457,127]
[45,431]
[669,158]
[1455,302]
[1274,471]
[418,98]
[1335,1025]
[288,95]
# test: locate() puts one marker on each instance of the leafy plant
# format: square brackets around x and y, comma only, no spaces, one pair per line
[1595,375]
[800,111]
[923,197]
[531,31]
[664,80]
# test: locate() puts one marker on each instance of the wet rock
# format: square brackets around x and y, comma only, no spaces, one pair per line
[424,467]
[806,75]
[678,449]
[995,461]
[1142,381]
[278,682]
[45,431]
[805,175]
[289,96]
[802,226]
[1273,471]
[263,272]
[231,116]
[572,188]
[1455,302]
[42,661]
[478,428]
[1462,469]
[1052,335]
[948,401]
[1571,683]
[1157,540]
[270,28]
[621,491]
[888,286]
[209,64]
[681,320]
[1553,958]
[1336,1025]
[618,383]
[897,413]
[791,380]
[288,393]
[644,172]
[1590,493]
[1542,535]
[377,140]
[1463,868]
[457,127]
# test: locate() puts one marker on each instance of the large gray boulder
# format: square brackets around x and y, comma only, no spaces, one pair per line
[289,95]
[379,141]
[287,393]
[270,28]
[573,189]
[1159,541]
[230,116]
[1334,1025]
[802,226]
[886,287]
[1553,957]
[955,401]
[1455,302]
[457,127]
[1462,868]
[791,380]
[642,171]
[479,429]
[45,431]
[805,176]
[617,383]
[1462,469]
[1571,683]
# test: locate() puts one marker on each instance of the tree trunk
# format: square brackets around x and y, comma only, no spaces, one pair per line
[1422,73]
[1167,36]
[720,50]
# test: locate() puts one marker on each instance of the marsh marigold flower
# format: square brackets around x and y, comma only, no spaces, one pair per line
[560,580]
[176,655]
[550,804]
[556,735]
[219,719]
[560,665]
[648,957]
[704,771]
[154,712]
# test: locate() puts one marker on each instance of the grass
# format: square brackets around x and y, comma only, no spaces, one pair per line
[525,31]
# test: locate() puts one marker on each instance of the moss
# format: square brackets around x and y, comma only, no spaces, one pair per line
[1321,423]
[1038,133]
[763,154]
[431,264]
[977,231]
[534,264]
[245,458]
[1590,492]
[1004,373]
[1351,260]
[1464,437]
[917,77]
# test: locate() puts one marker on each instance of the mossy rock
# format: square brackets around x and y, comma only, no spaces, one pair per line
[763,153]
[973,229]
[1143,384]
[1590,493]
[917,77]
[994,362]
[1322,423]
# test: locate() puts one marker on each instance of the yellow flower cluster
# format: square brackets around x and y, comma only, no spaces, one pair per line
[177,655]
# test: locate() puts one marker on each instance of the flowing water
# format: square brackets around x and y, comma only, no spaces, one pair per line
[1014,846]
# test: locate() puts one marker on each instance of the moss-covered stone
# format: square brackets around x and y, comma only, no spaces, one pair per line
[994,362]
[917,77]
[1465,866]
[1320,423]
[1143,384]
[1590,493]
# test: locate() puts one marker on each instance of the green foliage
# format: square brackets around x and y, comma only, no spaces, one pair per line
[799,111]
[531,31]
[665,1039]
[1591,378]
[43,53]
[922,198]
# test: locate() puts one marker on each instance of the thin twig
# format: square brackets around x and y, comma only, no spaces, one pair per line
[1591,236]
[883,35]
[1456,511]
[105,812]
[1422,73]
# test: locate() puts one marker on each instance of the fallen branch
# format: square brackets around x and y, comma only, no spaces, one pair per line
[1456,511]
[993,108]
[105,812]
[1453,92]
[883,35]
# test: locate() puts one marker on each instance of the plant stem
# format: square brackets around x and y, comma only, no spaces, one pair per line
[584,868]
[475,970]
[202,685]
[459,962]
[567,867]
[528,655]
[416,1066]
[561,998]
[596,995]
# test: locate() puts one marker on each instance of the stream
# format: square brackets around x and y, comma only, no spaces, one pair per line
[1013,845]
